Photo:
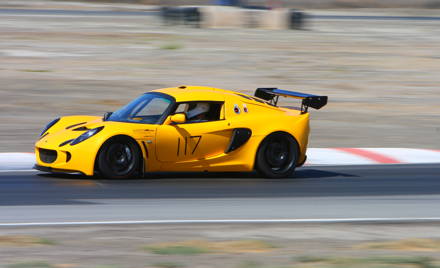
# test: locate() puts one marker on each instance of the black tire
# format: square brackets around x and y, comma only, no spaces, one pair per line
[277,156]
[119,158]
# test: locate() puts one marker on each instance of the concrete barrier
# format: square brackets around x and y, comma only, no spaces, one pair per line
[181,15]
[233,17]
[221,17]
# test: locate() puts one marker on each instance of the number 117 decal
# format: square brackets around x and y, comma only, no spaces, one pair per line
[186,144]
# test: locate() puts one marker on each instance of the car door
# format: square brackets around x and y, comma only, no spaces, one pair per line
[193,140]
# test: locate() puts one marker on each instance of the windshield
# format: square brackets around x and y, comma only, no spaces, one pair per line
[149,108]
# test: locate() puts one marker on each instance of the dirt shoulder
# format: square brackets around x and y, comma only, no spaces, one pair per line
[381,76]
[223,245]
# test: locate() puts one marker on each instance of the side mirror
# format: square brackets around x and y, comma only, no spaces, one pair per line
[179,118]
[106,116]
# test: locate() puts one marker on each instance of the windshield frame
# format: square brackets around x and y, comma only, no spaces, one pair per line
[161,119]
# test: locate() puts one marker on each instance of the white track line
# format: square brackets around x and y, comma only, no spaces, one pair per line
[213,221]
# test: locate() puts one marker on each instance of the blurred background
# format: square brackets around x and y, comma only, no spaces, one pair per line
[378,61]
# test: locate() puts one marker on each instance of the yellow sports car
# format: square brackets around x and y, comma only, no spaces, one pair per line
[186,128]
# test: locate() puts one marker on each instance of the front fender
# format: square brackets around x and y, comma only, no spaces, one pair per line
[73,121]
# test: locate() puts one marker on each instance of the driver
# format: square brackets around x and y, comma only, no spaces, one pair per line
[199,112]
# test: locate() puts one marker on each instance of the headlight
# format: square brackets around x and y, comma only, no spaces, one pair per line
[86,135]
[53,122]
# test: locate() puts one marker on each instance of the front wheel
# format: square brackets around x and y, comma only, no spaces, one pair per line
[119,158]
[277,156]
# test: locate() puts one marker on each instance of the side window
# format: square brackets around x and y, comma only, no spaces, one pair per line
[200,111]
[181,108]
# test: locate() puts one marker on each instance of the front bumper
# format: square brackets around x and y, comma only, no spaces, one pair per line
[78,158]
[54,170]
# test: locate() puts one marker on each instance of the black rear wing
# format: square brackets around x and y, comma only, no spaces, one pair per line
[308,100]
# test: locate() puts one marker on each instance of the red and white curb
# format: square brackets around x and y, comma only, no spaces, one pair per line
[316,157]
[371,156]
[17,161]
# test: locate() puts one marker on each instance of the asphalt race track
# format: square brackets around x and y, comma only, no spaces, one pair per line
[338,192]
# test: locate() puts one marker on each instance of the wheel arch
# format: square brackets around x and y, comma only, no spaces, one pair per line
[121,136]
[298,149]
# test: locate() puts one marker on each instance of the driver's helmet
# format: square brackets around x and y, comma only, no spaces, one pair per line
[201,108]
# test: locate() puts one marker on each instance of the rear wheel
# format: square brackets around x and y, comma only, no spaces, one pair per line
[119,158]
[277,156]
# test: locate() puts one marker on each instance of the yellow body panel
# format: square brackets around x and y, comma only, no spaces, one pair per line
[180,147]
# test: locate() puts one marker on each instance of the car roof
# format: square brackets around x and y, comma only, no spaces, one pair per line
[197,93]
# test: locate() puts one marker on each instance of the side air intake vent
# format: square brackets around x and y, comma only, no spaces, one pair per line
[239,137]
[68,156]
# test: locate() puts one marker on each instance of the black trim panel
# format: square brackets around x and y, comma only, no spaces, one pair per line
[65,142]
[75,125]
[49,169]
